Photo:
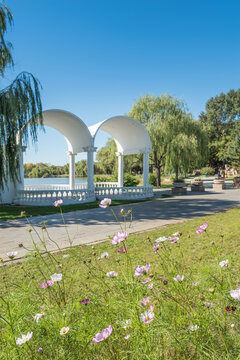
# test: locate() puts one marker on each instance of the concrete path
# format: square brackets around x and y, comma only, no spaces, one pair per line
[89,226]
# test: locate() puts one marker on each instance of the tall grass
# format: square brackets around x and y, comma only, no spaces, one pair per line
[194,318]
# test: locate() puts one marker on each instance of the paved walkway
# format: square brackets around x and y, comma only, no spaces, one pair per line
[88,226]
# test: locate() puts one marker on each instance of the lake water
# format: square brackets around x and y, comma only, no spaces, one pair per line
[51,181]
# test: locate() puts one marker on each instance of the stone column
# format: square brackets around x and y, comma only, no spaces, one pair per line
[20,182]
[145,169]
[71,170]
[120,169]
[90,164]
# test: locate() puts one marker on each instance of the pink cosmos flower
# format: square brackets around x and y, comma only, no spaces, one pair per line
[47,283]
[127,337]
[140,270]
[145,301]
[122,250]
[202,228]
[85,301]
[146,280]
[103,335]
[105,203]
[147,316]
[151,308]
[121,236]
[57,202]
[174,239]
[155,248]
[122,211]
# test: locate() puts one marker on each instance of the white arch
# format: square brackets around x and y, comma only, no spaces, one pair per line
[131,137]
[71,127]
[129,134]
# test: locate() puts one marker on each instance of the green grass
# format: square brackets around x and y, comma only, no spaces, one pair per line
[113,300]
[8,212]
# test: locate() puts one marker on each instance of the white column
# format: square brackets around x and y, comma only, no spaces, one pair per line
[90,164]
[145,169]
[71,170]
[120,169]
[20,182]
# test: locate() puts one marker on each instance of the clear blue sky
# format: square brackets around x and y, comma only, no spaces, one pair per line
[96,58]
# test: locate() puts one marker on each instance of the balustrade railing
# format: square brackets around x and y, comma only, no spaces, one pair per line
[105,184]
[122,193]
[47,197]
[38,196]
[45,187]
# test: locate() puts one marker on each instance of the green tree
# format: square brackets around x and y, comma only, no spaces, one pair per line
[20,106]
[107,159]
[81,168]
[233,146]
[178,141]
[218,120]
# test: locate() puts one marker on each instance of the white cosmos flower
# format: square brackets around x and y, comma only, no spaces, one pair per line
[208,304]
[193,327]
[150,286]
[235,294]
[112,274]
[161,239]
[38,316]
[179,278]
[224,264]
[126,324]
[12,254]
[64,330]
[104,255]
[56,277]
[24,338]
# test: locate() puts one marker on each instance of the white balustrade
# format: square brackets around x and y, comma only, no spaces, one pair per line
[36,195]
[124,193]
[44,187]
[47,197]
[105,184]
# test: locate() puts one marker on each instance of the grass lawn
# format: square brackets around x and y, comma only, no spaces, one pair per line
[195,318]
[8,212]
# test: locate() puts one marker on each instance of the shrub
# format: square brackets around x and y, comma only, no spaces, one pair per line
[207,169]
[130,180]
[153,179]
[105,178]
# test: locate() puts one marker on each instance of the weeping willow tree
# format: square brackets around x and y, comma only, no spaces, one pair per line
[20,107]
[178,141]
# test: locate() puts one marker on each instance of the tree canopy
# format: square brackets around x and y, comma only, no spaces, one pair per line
[178,141]
[222,111]
[20,107]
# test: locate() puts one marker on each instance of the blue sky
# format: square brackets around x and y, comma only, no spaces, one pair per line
[96,58]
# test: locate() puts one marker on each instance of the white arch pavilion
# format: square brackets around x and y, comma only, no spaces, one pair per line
[130,136]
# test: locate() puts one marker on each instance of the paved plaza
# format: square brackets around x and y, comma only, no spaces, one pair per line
[89,226]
